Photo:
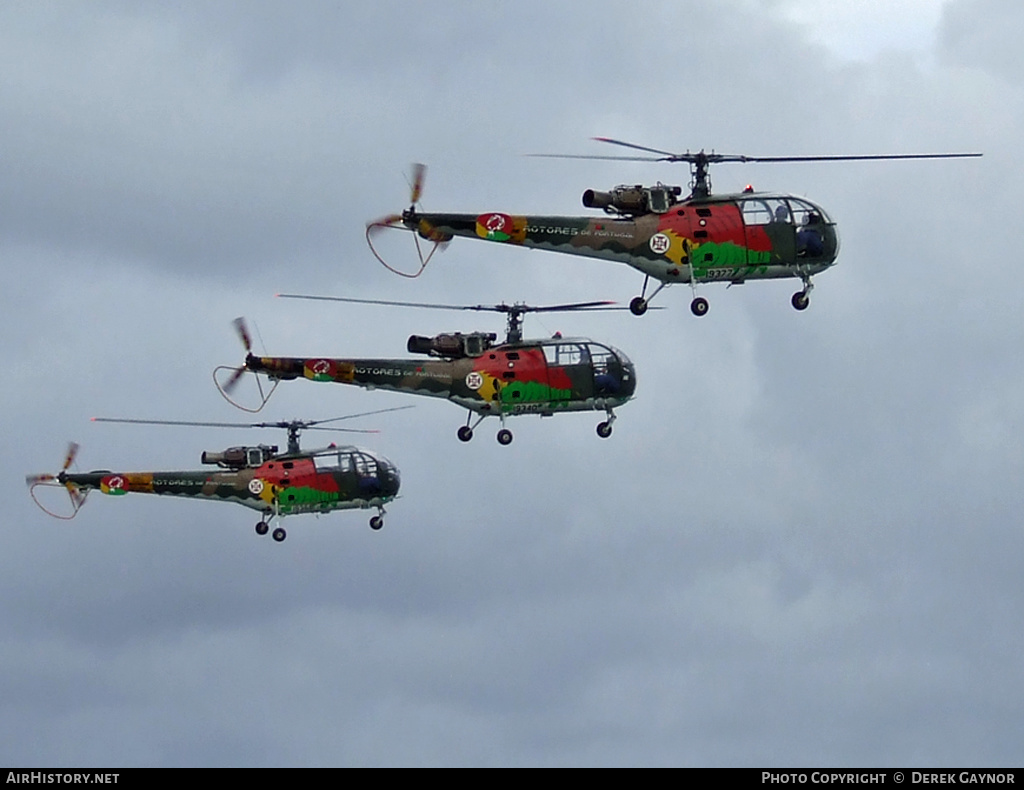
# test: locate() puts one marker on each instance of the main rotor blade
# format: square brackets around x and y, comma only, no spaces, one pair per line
[633,145]
[341,430]
[561,308]
[361,414]
[663,156]
[600,158]
[174,422]
[498,308]
[379,301]
[713,158]
[281,424]
[840,158]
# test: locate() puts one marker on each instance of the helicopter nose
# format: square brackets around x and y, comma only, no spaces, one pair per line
[390,479]
[628,380]
[832,237]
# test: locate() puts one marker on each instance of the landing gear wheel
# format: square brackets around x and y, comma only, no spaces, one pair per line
[505,436]
[800,300]
[699,306]
[262,528]
[376,522]
[465,433]
[279,534]
[604,429]
[638,305]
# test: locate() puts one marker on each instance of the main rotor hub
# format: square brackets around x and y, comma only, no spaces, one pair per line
[700,181]
[514,324]
[294,428]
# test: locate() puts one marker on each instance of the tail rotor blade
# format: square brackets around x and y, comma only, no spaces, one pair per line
[409,221]
[232,382]
[384,222]
[77,495]
[243,333]
[226,378]
[74,491]
[419,172]
[70,457]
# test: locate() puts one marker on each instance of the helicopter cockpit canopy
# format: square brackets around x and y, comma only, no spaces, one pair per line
[581,351]
[346,459]
[766,209]
[611,372]
[375,475]
[797,227]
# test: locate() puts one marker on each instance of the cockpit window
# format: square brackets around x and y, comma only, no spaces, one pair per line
[756,212]
[365,464]
[566,354]
[805,213]
[326,462]
[333,462]
[618,355]
[764,211]
[601,356]
[346,461]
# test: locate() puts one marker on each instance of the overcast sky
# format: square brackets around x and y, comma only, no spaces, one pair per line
[802,545]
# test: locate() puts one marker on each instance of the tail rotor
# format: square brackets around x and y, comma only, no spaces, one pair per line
[409,220]
[59,480]
[243,334]
[228,385]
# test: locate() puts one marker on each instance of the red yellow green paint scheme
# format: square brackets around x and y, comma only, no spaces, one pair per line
[276,485]
[730,238]
[702,238]
[541,377]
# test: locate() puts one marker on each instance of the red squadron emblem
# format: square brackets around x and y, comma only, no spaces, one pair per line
[114,484]
[319,369]
[497,227]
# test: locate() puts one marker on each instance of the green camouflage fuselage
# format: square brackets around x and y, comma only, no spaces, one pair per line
[732,238]
[338,478]
[546,376]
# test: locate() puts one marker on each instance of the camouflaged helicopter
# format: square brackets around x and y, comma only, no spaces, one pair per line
[702,238]
[543,377]
[257,477]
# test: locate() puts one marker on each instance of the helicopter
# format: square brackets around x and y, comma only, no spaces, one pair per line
[698,239]
[517,376]
[257,477]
